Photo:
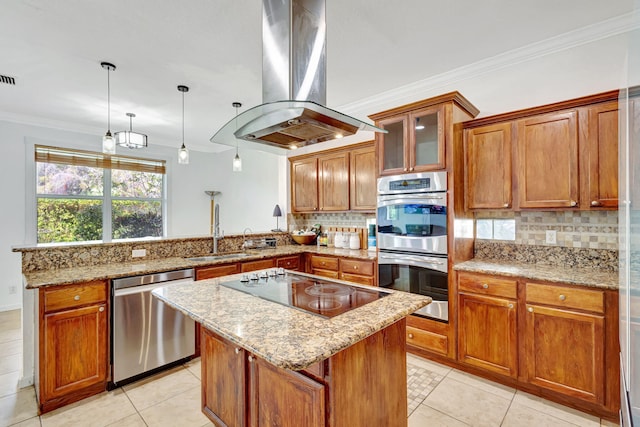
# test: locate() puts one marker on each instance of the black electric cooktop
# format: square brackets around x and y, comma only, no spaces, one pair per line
[317,296]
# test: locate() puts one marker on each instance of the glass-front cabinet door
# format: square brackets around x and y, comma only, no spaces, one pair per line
[392,153]
[426,143]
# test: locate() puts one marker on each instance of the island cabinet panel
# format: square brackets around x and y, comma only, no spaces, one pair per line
[599,150]
[304,185]
[284,398]
[363,178]
[73,346]
[547,161]
[223,381]
[488,166]
[333,182]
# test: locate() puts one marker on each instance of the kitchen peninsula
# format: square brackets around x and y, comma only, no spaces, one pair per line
[265,363]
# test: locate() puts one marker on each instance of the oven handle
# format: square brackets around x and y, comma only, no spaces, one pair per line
[417,261]
[411,198]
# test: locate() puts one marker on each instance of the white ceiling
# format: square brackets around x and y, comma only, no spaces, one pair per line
[54,50]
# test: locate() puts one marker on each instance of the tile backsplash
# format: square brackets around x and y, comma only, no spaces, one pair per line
[574,229]
[326,220]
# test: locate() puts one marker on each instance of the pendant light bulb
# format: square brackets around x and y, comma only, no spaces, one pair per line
[237,161]
[108,143]
[183,153]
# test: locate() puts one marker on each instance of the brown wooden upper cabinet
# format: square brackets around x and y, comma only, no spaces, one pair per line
[547,160]
[418,133]
[557,156]
[488,167]
[335,180]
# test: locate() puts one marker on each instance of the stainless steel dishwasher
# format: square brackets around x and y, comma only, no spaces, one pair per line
[147,334]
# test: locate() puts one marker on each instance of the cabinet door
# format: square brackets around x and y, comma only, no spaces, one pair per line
[391,146]
[564,351]
[333,182]
[304,185]
[289,263]
[284,398]
[599,149]
[487,333]
[73,351]
[223,381]
[203,273]
[488,166]
[363,178]
[547,154]
[426,140]
[257,265]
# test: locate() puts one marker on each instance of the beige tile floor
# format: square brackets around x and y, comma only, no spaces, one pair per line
[437,396]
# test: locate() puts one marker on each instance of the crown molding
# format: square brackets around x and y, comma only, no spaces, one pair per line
[404,94]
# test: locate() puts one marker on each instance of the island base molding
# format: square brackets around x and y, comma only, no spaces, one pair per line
[240,389]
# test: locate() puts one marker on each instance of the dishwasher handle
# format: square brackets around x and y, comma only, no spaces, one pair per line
[147,288]
[149,279]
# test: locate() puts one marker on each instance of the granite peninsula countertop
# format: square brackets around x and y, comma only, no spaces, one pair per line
[71,275]
[588,277]
[286,337]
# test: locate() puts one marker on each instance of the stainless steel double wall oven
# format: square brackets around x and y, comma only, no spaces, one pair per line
[412,238]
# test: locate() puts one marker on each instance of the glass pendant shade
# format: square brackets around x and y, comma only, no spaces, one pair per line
[129,138]
[183,155]
[108,144]
[237,163]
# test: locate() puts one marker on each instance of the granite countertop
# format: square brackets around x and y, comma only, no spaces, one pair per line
[284,336]
[66,276]
[589,277]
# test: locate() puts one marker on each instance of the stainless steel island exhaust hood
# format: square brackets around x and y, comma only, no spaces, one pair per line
[293,83]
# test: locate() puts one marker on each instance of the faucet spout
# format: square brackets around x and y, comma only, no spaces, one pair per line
[216,228]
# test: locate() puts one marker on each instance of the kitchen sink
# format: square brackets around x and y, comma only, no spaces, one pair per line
[218,257]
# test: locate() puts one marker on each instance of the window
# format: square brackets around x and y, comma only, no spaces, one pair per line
[496,229]
[86,196]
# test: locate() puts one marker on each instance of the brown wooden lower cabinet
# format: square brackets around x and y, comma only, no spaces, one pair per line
[73,343]
[363,385]
[430,336]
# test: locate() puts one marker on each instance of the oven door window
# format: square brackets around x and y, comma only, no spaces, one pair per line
[412,219]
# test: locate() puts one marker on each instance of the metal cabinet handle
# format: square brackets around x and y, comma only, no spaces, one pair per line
[236,350]
[410,335]
[405,169]
[595,203]
[410,169]
[562,297]
[573,204]
[485,286]
[530,309]
[355,267]
[101,309]
[506,205]
[250,358]
[510,306]
[77,298]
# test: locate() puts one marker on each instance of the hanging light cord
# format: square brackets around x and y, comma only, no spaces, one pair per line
[236,128]
[183,120]
[108,101]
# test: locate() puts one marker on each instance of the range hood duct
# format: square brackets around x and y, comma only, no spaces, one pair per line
[293,83]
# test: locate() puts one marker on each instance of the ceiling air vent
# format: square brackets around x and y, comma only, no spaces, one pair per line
[8,80]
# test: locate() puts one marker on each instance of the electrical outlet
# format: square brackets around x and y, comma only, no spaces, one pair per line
[137,253]
[13,290]
[551,237]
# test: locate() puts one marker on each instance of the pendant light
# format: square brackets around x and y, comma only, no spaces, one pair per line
[129,138]
[108,144]
[237,162]
[183,153]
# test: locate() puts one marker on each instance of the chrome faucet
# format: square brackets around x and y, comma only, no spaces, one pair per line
[216,228]
[245,243]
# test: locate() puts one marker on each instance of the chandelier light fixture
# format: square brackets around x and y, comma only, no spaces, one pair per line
[183,153]
[129,138]
[237,162]
[108,144]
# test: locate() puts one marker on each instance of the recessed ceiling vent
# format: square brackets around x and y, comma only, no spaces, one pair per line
[8,80]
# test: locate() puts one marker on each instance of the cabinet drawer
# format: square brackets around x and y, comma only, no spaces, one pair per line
[354,266]
[290,262]
[427,340]
[325,273]
[561,296]
[487,285]
[356,278]
[63,297]
[257,265]
[324,263]
[217,271]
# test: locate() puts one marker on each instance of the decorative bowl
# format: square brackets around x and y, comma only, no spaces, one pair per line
[304,239]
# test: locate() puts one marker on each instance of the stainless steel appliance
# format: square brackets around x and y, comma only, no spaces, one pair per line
[321,297]
[147,334]
[412,238]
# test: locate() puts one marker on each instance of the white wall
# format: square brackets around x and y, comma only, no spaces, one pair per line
[247,199]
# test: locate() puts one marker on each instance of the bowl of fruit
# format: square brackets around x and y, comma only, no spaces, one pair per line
[304,237]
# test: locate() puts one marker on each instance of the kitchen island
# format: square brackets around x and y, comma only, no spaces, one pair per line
[264,363]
